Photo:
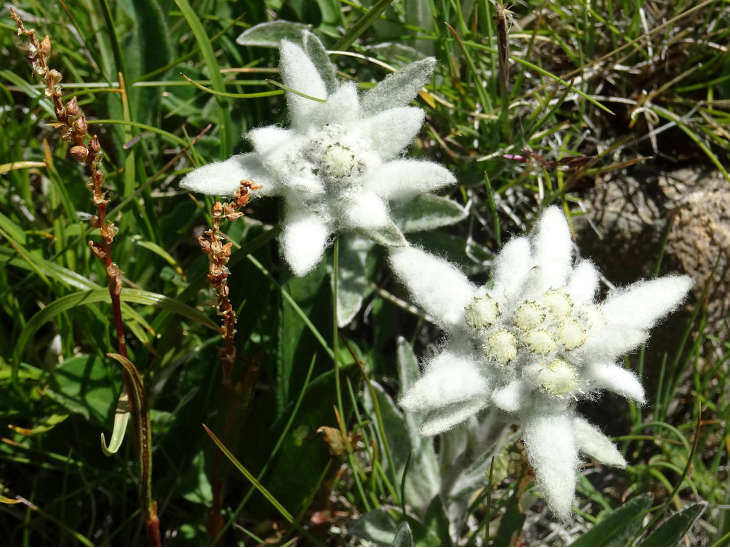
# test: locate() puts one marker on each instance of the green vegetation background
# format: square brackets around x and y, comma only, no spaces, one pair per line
[59,389]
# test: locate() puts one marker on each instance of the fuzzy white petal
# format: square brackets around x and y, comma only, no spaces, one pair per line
[616,379]
[224,178]
[437,285]
[280,151]
[553,453]
[399,88]
[511,268]
[552,248]
[509,397]
[451,390]
[390,131]
[592,442]
[342,107]
[299,73]
[583,283]
[402,179]
[643,303]
[303,240]
[267,140]
[365,210]
[609,342]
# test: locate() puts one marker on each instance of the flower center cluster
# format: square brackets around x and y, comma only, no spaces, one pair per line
[535,337]
[338,161]
[335,158]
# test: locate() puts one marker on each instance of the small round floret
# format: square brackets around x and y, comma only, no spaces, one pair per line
[529,315]
[570,334]
[540,341]
[558,303]
[502,346]
[481,313]
[338,161]
[557,378]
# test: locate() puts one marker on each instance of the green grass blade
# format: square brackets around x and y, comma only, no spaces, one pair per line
[249,476]
[206,49]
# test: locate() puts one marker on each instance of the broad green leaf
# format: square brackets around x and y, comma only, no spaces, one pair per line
[676,526]
[269,34]
[377,526]
[617,527]
[511,523]
[403,535]
[295,348]
[388,236]
[352,283]
[437,525]
[422,478]
[83,385]
[427,212]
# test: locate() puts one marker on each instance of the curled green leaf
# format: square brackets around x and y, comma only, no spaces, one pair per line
[121,419]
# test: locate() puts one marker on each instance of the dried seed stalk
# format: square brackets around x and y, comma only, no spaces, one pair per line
[211,242]
[86,150]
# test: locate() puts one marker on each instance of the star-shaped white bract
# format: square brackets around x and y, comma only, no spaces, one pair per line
[531,343]
[340,162]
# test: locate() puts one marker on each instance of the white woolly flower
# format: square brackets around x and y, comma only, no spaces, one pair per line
[339,164]
[531,343]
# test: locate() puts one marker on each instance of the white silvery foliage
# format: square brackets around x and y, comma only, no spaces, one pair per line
[531,343]
[340,163]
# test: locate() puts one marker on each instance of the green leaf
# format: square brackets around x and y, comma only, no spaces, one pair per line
[269,34]
[618,526]
[672,529]
[294,347]
[352,283]
[408,374]
[437,524]
[403,535]
[388,236]
[121,419]
[422,478]
[427,212]
[511,523]
[376,526]
[82,385]
[194,484]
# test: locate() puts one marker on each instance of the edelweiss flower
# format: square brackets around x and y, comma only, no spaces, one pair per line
[532,342]
[339,164]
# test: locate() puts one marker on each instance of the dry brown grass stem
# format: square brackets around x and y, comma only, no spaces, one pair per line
[211,242]
[86,150]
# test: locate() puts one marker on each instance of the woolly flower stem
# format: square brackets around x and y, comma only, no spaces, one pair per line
[86,150]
